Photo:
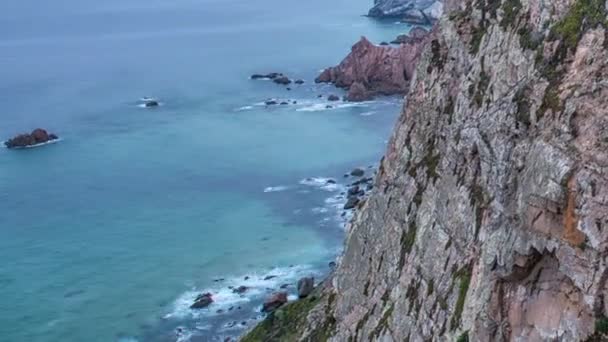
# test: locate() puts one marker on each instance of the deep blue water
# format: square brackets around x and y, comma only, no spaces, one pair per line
[109,234]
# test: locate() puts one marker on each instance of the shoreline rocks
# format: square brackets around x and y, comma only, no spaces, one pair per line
[275,301]
[370,70]
[305,286]
[36,137]
[202,301]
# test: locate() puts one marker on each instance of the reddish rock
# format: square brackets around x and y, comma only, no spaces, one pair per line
[38,136]
[375,70]
[274,301]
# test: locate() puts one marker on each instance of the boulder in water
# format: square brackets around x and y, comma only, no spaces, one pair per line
[37,136]
[358,172]
[284,80]
[202,301]
[333,97]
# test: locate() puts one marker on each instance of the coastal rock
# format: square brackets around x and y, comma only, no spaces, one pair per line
[357,172]
[241,289]
[358,93]
[333,98]
[411,11]
[351,203]
[202,301]
[37,136]
[374,70]
[415,36]
[283,80]
[275,301]
[299,81]
[270,76]
[151,103]
[489,218]
[305,286]
[270,102]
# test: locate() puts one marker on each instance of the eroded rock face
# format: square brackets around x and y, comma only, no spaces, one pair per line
[412,11]
[489,213]
[371,70]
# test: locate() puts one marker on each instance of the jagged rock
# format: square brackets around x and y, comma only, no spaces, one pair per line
[305,286]
[202,301]
[374,70]
[411,11]
[490,220]
[274,302]
[37,136]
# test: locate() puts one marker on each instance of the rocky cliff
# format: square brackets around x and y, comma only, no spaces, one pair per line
[414,11]
[489,217]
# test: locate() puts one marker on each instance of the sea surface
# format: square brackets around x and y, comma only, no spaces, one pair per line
[110,233]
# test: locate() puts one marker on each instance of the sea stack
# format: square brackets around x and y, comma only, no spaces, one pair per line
[36,137]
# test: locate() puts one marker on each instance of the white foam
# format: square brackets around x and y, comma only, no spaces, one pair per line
[240,109]
[258,284]
[321,183]
[318,107]
[276,188]
[368,113]
[35,145]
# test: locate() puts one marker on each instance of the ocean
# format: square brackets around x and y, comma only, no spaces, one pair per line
[110,233]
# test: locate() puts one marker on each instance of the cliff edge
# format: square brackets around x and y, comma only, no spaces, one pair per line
[489,216]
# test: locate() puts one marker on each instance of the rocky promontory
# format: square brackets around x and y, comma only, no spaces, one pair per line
[370,70]
[412,11]
[36,137]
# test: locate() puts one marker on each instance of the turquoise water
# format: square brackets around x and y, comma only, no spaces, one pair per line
[109,234]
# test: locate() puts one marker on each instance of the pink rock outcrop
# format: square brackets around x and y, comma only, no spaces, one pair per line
[371,70]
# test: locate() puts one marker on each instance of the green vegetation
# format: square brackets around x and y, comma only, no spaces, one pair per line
[601,325]
[286,323]
[464,337]
[583,15]
[465,280]
[383,324]
[523,107]
[510,10]
[477,34]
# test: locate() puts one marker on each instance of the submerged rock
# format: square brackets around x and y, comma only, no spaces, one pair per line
[37,136]
[275,301]
[305,286]
[299,81]
[202,301]
[241,289]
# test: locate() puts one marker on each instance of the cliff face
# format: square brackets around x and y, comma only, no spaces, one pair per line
[489,217]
